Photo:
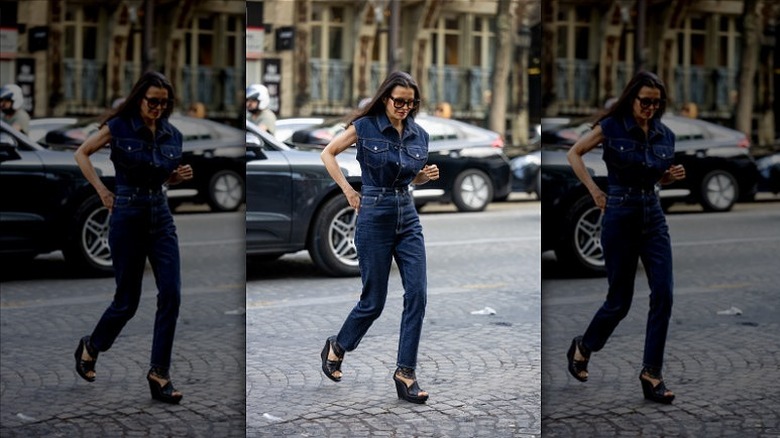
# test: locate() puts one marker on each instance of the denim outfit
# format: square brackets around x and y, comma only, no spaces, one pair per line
[388,227]
[634,227]
[141,226]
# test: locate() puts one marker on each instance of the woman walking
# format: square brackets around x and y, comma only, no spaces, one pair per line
[392,151]
[146,151]
[639,153]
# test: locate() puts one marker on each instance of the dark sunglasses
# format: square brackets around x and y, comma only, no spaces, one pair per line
[400,103]
[154,102]
[645,102]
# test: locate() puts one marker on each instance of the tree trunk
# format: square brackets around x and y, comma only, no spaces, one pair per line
[504,28]
[747,68]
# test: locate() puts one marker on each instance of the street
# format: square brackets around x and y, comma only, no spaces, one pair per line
[482,371]
[722,350]
[45,309]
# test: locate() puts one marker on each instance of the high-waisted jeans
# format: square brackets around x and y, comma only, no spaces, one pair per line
[634,227]
[388,227]
[141,226]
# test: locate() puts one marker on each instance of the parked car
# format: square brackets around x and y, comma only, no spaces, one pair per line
[718,167]
[286,127]
[473,168]
[293,204]
[40,127]
[48,205]
[720,170]
[527,173]
[769,171]
[215,152]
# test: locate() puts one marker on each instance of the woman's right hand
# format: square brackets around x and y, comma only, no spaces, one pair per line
[353,197]
[107,197]
[600,198]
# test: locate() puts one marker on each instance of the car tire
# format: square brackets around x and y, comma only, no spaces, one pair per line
[472,190]
[87,247]
[332,241]
[719,191]
[226,191]
[580,251]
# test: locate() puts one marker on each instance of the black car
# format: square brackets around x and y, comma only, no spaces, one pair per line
[769,169]
[473,168]
[719,172]
[719,168]
[527,173]
[293,204]
[48,205]
[215,152]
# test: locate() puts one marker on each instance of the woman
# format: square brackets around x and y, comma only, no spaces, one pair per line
[638,151]
[392,150]
[146,151]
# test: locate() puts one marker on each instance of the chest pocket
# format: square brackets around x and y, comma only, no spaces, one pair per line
[170,156]
[129,153]
[416,156]
[664,154]
[621,153]
[375,153]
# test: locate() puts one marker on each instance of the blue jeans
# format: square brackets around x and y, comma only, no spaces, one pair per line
[141,226]
[388,228]
[634,227]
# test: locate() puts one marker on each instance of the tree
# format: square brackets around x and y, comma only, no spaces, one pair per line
[747,68]
[504,31]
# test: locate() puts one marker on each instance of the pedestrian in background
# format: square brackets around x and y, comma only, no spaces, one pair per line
[689,109]
[146,151]
[197,110]
[258,112]
[443,109]
[11,102]
[639,153]
[392,150]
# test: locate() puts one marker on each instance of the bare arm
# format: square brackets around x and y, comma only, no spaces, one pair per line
[584,145]
[328,155]
[82,154]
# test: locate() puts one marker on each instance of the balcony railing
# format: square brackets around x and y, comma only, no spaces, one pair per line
[84,85]
[330,82]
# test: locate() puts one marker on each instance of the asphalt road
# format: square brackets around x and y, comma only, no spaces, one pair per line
[722,366]
[482,371]
[44,310]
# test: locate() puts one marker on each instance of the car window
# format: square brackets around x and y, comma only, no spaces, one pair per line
[437,130]
[193,131]
[686,131]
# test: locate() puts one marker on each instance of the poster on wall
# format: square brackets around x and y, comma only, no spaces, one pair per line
[272,78]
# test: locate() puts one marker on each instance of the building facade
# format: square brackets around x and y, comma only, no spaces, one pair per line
[321,57]
[592,48]
[76,57]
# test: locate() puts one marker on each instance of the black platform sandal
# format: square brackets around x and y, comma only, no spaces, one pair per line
[578,368]
[164,393]
[83,367]
[657,393]
[332,367]
[408,391]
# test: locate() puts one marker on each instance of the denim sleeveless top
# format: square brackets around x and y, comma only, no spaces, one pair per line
[140,159]
[633,158]
[386,158]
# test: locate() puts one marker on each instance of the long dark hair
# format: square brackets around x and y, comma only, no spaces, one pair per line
[132,105]
[377,105]
[624,107]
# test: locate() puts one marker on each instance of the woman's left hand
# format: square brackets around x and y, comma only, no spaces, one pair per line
[676,172]
[181,174]
[428,173]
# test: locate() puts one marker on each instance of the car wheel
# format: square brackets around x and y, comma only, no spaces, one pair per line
[226,191]
[581,248]
[332,241]
[719,191]
[87,249]
[472,190]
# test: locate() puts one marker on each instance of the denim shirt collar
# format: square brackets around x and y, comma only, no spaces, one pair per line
[163,127]
[383,123]
[629,123]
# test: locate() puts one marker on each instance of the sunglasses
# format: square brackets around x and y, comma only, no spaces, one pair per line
[646,102]
[400,103]
[154,102]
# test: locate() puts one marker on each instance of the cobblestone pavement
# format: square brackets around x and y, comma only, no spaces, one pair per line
[723,368]
[43,314]
[482,371]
